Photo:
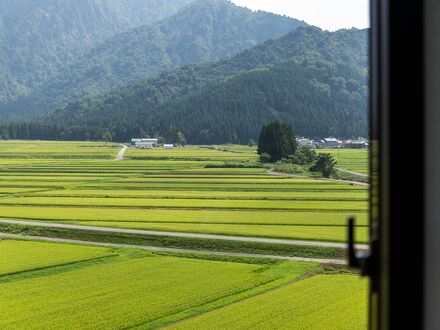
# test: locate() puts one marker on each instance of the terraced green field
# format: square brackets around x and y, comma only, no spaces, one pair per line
[52,150]
[237,148]
[295,306]
[64,286]
[172,190]
[98,288]
[21,256]
[355,160]
[196,153]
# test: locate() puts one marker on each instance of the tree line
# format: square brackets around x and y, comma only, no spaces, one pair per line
[277,143]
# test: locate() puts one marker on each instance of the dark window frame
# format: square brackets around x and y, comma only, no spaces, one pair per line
[397,164]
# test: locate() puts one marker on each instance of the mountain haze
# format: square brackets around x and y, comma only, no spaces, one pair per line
[313,79]
[41,37]
[206,30]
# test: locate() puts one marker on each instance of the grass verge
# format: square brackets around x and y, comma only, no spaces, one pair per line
[179,242]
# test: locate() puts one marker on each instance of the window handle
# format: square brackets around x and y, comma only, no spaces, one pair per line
[356,260]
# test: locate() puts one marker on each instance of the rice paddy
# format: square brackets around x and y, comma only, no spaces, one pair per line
[113,293]
[82,287]
[172,190]
[355,160]
[295,306]
[65,286]
[21,256]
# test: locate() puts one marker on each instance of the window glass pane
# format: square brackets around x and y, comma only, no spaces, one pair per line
[183,164]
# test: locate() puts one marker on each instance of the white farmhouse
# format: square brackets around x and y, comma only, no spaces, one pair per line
[331,142]
[307,143]
[145,143]
[355,144]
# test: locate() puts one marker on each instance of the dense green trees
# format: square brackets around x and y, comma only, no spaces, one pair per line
[303,156]
[206,30]
[228,101]
[312,79]
[107,137]
[180,138]
[276,140]
[40,38]
[299,93]
[324,164]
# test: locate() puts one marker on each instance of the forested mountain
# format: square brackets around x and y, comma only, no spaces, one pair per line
[313,79]
[206,30]
[38,38]
[318,97]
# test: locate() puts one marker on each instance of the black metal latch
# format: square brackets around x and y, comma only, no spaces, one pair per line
[363,261]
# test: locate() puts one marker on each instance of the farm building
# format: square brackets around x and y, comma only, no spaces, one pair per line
[144,143]
[330,142]
[303,142]
[355,144]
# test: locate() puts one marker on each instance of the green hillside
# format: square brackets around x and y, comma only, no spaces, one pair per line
[39,38]
[314,79]
[203,31]
[318,97]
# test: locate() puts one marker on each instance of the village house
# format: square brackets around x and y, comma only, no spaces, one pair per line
[329,142]
[145,143]
[304,142]
[355,144]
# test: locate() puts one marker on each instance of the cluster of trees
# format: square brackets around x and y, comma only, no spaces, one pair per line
[44,131]
[324,164]
[277,143]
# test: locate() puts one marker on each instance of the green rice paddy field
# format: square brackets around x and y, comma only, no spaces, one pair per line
[47,285]
[355,160]
[172,190]
[64,286]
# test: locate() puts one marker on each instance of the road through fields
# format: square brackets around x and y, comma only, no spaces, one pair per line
[121,153]
[354,183]
[187,235]
[161,249]
[351,172]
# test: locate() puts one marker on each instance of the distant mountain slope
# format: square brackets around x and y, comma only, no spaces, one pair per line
[40,37]
[206,30]
[314,79]
[318,97]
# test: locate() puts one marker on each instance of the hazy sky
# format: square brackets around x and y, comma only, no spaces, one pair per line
[327,14]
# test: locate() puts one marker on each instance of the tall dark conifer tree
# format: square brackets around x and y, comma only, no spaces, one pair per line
[278,140]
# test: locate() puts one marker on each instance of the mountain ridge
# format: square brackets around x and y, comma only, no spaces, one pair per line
[40,37]
[202,31]
[337,64]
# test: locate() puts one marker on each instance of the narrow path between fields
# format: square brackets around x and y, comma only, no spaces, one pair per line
[121,153]
[354,183]
[187,235]
[351,172]
[153,248]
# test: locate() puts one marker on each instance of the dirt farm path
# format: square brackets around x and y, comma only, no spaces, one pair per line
[152,248]
[353,173]
[121,153]
[354,183]
[177,234]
